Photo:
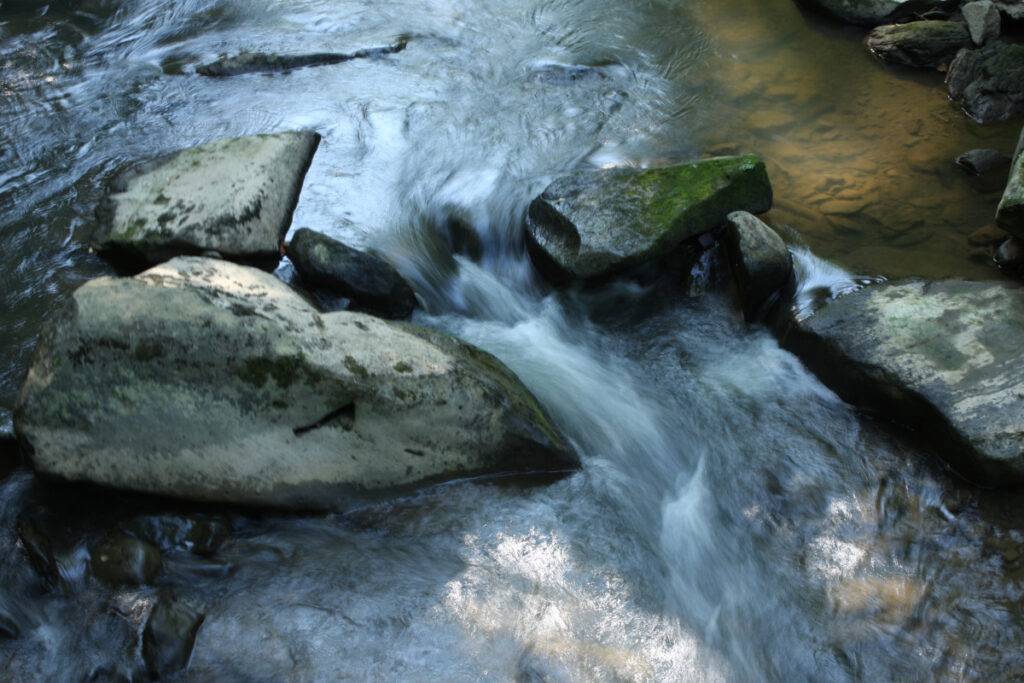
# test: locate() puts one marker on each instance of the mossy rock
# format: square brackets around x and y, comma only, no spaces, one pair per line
[919,43]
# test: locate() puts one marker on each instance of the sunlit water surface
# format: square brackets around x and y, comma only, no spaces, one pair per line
[732,520]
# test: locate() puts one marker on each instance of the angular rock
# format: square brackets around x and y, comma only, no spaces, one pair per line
[875,12]
[591,224]
[234,197]
[982,20]
[207,380]
[919,43]
[264,62]
[202,534]
[989,82]
[118,559]
[169,635]
[1010,212]
[981,161]
[944,358]
[370,282]
[761,264]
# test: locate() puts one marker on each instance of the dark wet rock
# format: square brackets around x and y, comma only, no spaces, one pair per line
[591,224]
[875,12]
[1011,9]
[1010,254]
[202,534]
[10,456]
[119,559]
[989,82]
[169,635]
[919,43]
[982,19]
[208,380]
[761,264]
[982,161]
[984,242]
[943,358]
[234,197]
[1010,213]
[369,281]
[265,62]
[53,550]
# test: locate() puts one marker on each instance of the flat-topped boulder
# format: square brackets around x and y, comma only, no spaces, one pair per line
[368,281]
[234,197]
[590,224]
[207,380]
[943,358]
[929,43]
[1010,213]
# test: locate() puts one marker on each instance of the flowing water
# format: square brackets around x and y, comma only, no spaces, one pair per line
[732,520]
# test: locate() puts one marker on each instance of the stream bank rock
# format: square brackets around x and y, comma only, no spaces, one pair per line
[982,19]
[919,43]
[590,224]
[207,380]
[989,82]
[760,262]
[875,12]
[234,197]
[369,281]
[944,358]
[1010,213]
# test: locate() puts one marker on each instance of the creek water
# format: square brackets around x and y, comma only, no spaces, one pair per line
[732,519]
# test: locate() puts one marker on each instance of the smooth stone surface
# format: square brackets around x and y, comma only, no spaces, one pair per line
[761,264]
[208,380]
[201,534]
[875,12]
[169,635]
[982,20]
[943,358]
[1011,9]
[919,43]
[119,559]
[369,281]
[234,197]
[1010,254]
[981,161]
[265,62]
[591,224]
[989,82]
[1010,212]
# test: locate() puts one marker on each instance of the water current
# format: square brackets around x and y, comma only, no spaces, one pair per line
[732,520]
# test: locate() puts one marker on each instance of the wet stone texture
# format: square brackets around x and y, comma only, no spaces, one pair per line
[944,358]
[761,264]
[1010,213]
[989,82]
[919,43]
[169,635]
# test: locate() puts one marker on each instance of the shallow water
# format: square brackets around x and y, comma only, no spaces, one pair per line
[732,519]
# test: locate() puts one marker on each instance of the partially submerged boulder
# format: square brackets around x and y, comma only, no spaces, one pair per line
[944,358]
[591,224]
[267,62]
[919,43]
[207,380]
[169,635]
[760,262]
[982,161]
[1010,213]
[234,197]
[989,82]
[875,12]
[369,281]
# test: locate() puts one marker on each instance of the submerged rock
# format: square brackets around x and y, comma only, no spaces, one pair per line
[265,62]
[369,281]
[207,380]
[1010,254]
[169,635]
[118,559]
[989,82]
[982,161]
[982,18]
[590,224]
[875,12]
[943,358]
[202,534]
[1010,213]
[761,264]
[919,43]
[234,197]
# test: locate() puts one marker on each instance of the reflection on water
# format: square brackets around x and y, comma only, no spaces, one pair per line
[733,519]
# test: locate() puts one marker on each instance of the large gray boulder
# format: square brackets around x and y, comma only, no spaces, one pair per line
[944,358]
[760,262]
[1010,213]
[919,43]
[207,380]
[368,281]
[234,197]
[989,82]
[591,224]
[875,12]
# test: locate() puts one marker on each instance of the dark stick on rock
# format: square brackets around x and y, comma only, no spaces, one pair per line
[265,62]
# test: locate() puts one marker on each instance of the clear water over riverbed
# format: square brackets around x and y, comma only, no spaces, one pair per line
[732,520]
